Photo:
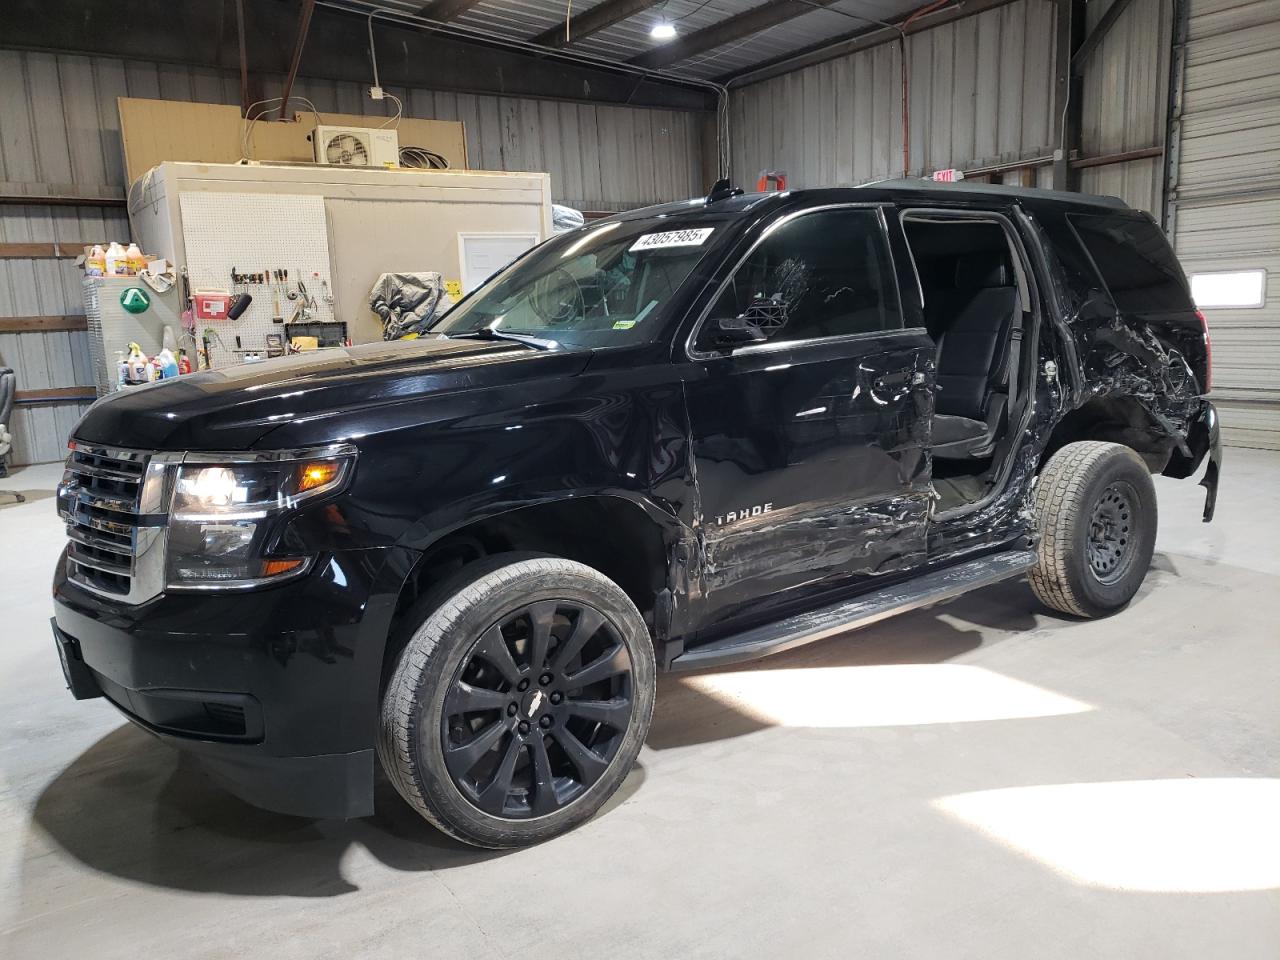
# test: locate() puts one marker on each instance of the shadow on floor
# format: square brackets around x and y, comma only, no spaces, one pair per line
[134,808]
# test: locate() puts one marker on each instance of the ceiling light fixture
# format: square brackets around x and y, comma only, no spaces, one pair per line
[663,30]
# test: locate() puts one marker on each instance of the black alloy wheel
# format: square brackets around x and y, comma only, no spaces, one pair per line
[519,700]
[537,709]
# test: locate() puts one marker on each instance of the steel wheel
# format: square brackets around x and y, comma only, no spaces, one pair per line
[1110,535]
[537,709]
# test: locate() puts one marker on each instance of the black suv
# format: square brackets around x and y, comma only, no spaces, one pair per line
[681,437]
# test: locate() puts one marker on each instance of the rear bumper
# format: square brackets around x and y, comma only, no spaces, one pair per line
[273,692]
[1204,442]
[1208,423]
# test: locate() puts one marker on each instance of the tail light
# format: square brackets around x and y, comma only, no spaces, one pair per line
[1208,352]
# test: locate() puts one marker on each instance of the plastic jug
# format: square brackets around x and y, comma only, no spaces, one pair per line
[117,264]
[133,256]
[95,265]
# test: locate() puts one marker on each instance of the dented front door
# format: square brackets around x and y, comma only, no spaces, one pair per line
[809,451]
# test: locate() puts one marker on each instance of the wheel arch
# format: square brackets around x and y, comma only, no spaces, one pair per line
[627,538]
[1116,418]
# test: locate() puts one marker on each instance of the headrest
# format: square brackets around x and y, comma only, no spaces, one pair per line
[977,270]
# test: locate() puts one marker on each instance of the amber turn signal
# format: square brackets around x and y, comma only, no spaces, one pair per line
[273,568]
[317,473]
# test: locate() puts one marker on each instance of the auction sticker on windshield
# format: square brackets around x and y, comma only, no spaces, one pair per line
[672,238]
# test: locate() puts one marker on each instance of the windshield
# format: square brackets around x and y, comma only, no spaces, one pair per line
[598,286]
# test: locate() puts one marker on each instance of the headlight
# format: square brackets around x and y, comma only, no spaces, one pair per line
[221,515]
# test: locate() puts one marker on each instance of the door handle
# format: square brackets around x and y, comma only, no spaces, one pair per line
[898,379]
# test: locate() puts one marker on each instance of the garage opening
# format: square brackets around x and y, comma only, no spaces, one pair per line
[974,292]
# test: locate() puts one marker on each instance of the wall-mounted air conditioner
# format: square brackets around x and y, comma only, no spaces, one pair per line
[356,146]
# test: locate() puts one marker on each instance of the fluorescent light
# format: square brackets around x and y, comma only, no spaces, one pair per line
[1241,288]
[663,30]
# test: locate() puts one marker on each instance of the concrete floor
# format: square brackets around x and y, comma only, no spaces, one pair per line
[982,779]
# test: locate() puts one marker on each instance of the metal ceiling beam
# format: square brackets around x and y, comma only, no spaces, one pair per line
[304,25]
[244,60]
[597,18]
[446,10]
[411,57]
[745,24]
[1097,35]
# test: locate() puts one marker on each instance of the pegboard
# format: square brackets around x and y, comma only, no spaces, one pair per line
[256,233]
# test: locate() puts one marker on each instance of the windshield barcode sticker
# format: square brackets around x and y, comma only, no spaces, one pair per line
[672,238]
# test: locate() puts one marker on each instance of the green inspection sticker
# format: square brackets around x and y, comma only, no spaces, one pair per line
[628,324]
[135,299]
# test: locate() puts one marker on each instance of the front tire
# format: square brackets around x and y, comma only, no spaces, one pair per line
[519,704]
[1095,510]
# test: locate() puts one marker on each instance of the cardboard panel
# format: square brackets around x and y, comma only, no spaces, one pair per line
[154,131]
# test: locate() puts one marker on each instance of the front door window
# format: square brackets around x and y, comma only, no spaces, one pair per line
[821,274]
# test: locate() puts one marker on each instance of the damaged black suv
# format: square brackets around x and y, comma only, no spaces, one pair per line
[681,437]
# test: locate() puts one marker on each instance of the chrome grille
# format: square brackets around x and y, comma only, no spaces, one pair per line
[111,526]
[101,493]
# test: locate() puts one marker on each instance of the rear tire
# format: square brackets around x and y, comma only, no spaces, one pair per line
[520,702]
[1095,511]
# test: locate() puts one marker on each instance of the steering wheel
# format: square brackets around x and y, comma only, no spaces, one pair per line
[557,297]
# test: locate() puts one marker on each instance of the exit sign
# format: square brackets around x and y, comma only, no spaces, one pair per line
[947,176]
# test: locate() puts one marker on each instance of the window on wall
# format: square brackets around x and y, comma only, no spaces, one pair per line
[1229,288]
[822,274]
[1135,261]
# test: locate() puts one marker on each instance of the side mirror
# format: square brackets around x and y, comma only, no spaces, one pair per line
[737,332]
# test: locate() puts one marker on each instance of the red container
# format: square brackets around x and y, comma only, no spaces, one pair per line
[211,306]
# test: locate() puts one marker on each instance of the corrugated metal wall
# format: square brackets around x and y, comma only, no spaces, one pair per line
[980,93]
[59,134]
[1126,98]
[1227,198]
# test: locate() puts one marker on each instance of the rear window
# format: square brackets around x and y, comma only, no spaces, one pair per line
[1133,258]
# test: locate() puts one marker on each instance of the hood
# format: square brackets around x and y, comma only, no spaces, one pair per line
[233,409]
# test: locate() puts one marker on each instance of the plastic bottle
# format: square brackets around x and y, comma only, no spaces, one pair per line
[134,258]
[122,369]
[167,364]
[115,262]
[184,362]
[138,372]
[95,265]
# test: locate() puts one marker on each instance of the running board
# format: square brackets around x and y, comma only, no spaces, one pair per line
[861,611]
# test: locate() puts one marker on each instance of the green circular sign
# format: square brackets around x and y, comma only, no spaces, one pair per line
[135,300]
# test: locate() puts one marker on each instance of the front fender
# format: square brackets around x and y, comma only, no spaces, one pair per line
[441,521]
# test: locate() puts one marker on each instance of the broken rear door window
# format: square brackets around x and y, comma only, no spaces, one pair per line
[1135,262]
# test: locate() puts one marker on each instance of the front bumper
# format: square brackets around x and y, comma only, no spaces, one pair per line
[274,692]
